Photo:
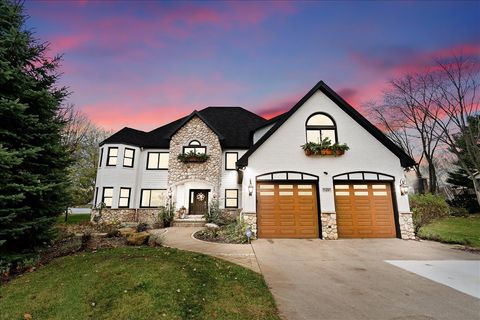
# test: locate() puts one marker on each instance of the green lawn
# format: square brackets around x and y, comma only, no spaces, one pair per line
[74,218]
[460,230]
[138,283]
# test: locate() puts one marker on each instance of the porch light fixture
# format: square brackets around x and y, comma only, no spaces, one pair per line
[403,187]
[250,188]
[169,193]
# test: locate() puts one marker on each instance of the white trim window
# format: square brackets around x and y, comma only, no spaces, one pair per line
[231,159]
[112,156]
[128,157]
[153,198]
[107,196]
[124,198]
[231,198]
[157,160]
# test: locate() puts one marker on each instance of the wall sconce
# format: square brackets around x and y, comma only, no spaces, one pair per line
[250,188]
[403,187]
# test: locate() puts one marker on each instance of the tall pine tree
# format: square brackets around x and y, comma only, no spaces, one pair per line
[32,158]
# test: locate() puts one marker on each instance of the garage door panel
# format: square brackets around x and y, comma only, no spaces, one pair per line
[292,210]
[366,212]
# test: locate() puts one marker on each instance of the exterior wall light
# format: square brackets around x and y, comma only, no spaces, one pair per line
[403,187]
[169,193]
[250,188]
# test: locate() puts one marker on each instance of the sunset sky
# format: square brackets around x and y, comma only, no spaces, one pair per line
[144,63]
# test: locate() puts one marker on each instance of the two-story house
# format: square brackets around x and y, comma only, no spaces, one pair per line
[258,167]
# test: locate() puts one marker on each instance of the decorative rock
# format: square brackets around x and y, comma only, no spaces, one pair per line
[156,237]
[212,226]
[137,239]
[99,235]
[27,316]
[125,232]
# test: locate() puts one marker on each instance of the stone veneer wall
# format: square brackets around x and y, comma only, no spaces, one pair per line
[148,216]
[210,170]
[329,225]
[251,220]
[407,230]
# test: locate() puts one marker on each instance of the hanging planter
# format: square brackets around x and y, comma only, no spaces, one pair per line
[192,157]
[324,148]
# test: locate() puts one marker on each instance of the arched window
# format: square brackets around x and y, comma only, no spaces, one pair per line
[196,147]
[320,126]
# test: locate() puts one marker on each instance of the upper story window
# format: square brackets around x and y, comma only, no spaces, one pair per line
[112,156]
[157,161]
[231,159]
[320,126]
[195,147]
[128,157]
[101,157]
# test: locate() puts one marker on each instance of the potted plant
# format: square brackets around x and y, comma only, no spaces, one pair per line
[324,148]
[339,149]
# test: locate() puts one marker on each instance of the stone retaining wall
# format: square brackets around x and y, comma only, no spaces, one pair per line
[148,216]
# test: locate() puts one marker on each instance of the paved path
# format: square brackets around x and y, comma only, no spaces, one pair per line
[350,279]
[241,254]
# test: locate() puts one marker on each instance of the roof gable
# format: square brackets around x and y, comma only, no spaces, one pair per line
[195,113]
[405,160]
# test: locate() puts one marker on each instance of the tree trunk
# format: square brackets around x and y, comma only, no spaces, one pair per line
[432,176]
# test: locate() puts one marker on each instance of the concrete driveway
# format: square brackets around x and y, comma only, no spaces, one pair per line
[350,279]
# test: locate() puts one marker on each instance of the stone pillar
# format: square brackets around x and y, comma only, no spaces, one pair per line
[251,220]
[329,225]
[407,230]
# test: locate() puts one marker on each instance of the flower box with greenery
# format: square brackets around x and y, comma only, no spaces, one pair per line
[324,148]
[193,157]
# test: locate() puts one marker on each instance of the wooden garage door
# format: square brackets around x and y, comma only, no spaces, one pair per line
[287,210]
[364,210]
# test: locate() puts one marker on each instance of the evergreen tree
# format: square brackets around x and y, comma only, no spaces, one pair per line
[32,158]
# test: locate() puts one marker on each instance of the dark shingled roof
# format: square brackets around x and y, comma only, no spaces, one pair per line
[233,125]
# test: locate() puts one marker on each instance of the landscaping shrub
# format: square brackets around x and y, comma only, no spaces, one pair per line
[426,208]
[166,214]
[466,201]
[142,227]
[458,212]
[213,213]
[234,232]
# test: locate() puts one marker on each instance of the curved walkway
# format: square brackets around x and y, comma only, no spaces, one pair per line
[241,254]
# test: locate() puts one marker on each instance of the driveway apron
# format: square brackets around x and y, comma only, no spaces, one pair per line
[350,279]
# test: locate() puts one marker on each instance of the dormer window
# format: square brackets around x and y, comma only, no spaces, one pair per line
[320,126]
[195,147]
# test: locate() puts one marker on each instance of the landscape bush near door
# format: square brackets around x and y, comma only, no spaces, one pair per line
[426,208]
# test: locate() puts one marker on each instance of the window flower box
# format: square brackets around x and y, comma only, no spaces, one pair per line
[193,157]
[324,148]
